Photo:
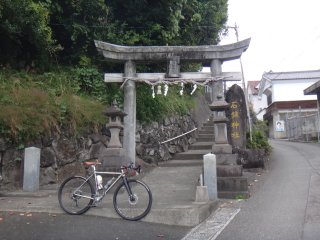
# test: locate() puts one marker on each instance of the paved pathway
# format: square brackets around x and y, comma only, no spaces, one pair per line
[285,205]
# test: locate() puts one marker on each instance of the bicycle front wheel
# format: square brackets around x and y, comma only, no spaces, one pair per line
[137,205]
[76,195]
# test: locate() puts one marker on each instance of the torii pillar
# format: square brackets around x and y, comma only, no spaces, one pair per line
[212,55]
[130,106]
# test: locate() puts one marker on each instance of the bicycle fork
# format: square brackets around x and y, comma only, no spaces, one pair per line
[128,188]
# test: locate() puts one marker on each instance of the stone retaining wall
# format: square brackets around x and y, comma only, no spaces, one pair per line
[61,153]
[149,137]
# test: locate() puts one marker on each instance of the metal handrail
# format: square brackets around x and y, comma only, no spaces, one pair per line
[179,136]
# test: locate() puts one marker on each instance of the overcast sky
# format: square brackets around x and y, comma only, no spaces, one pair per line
[285,35]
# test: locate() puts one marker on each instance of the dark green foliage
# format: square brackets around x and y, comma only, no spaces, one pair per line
[25,35]
[37,33]
[153,109]
[173,22]
[75,24]
[259,137]
[90,82]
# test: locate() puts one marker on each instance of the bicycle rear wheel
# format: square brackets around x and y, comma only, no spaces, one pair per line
[76,195]
[135,207]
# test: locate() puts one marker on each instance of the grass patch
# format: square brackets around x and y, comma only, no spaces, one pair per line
[33,104]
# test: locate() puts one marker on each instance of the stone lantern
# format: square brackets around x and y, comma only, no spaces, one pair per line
[114,156]
[219,108]
[115,115]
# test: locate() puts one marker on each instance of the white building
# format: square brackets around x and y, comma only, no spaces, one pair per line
[285,98]
[256,102]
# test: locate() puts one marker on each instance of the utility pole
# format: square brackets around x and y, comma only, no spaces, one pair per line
[235,28]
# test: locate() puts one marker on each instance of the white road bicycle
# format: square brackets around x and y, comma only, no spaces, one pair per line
[132,198]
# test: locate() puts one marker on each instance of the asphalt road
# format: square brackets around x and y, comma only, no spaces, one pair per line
[44,226]
[286,205]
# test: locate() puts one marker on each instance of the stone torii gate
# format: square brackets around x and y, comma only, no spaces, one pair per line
[213,55]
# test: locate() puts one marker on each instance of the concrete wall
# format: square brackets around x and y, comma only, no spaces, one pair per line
[278,134]
[283,115]
[291,90]
[259,103]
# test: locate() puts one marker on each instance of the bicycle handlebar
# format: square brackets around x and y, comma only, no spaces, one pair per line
[130,166]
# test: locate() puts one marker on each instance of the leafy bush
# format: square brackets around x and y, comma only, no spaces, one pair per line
[259,137]
[153,109]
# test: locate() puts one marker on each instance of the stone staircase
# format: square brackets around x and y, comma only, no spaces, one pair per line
[230,181]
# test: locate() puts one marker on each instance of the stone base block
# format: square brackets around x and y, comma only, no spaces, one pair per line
[229,171]
[232,184]
[221,148]
[113,158]
[202,194]
[226,159]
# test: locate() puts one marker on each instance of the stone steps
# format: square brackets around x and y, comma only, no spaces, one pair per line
[205,134]
[204,131]
[231,183]
[201,146]
[180,163]
[205,139]
[191,154]
[208,124]
[208,129]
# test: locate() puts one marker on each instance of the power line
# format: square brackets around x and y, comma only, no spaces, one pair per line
[128,27]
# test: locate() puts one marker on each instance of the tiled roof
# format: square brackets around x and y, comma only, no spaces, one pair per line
[314,74]
[254,87]
[313,89]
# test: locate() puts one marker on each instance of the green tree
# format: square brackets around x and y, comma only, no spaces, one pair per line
[203,22]
[25,36]
[76,24]
[40,31]
[187,22]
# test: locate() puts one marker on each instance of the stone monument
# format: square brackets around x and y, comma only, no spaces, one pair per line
[237,114]
[231,183]
[31,173]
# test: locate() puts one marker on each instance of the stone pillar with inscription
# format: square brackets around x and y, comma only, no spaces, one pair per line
[230,182]
[237,114]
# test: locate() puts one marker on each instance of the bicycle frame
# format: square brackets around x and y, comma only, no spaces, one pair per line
[94,175]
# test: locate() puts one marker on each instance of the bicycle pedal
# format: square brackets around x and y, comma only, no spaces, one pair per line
[95,203]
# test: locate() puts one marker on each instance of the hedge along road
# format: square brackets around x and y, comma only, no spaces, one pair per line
[286,204]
